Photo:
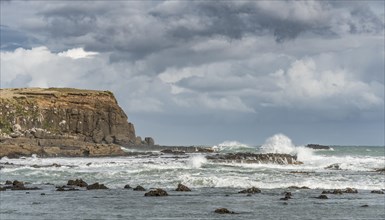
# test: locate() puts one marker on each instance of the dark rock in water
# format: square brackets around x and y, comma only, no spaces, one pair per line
[254,158]
[96,186]
[139,188]
[149,141]
[334,166]
[318,147]
[88,164]
[377,191]
[298,187]
[287,196]
[18,185]
[322,197]
[42,194]
[156,192]
[3,188]
[77,182]
[300,172]
[182,188]
[364,206]
[8,182]
[336,191]
[223,211]
[251,190]
[340,191]
[380,170]
[350,190]
[127,186]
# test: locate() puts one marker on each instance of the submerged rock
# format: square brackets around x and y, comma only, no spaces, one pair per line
[139,188]
[251,190]
[182,188]
[156,192]
[19,185]
[340,191]
[298,187]
[96,186]
[223,211]
[322,197]
[287,196]
[377,191]
[77,182]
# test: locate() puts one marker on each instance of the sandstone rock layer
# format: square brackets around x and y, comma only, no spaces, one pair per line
[63,122]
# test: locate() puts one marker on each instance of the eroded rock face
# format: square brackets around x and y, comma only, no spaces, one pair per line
[57,118]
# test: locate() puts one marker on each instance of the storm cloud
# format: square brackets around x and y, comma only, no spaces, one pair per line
[201,72]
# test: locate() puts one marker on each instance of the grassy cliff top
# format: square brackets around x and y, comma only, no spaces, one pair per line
[44,92]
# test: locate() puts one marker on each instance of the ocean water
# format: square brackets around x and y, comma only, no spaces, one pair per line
[214,185]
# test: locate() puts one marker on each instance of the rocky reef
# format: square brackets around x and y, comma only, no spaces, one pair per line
[63,122]
[254,158]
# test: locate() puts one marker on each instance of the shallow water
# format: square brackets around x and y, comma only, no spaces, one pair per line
[198,204]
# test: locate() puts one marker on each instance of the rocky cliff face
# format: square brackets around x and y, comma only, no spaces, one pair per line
[66,114]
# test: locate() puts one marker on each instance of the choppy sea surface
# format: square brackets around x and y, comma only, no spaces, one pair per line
[214,185]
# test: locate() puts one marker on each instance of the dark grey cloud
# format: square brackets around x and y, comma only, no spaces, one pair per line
[135,29]
[12,39]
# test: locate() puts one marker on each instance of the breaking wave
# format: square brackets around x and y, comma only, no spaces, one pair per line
[232,146]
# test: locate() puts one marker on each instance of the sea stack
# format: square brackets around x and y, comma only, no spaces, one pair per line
[63,122]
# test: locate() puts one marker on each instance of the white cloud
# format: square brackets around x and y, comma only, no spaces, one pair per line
[77,53]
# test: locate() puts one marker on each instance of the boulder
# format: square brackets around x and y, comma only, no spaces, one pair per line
[223,211]
[287,196]
[318,147]
[298,187]
[127,187]
[77,182]
[182,188]
[18,185]
[377,191]
[149,141]
[139,188]
[156,192]
[322,197]
[251,190]
[96,186]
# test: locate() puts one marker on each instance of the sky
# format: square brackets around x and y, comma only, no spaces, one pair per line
[204,72]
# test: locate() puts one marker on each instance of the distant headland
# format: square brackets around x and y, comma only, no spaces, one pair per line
[64,122]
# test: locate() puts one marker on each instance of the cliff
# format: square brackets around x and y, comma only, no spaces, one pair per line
[65,118]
